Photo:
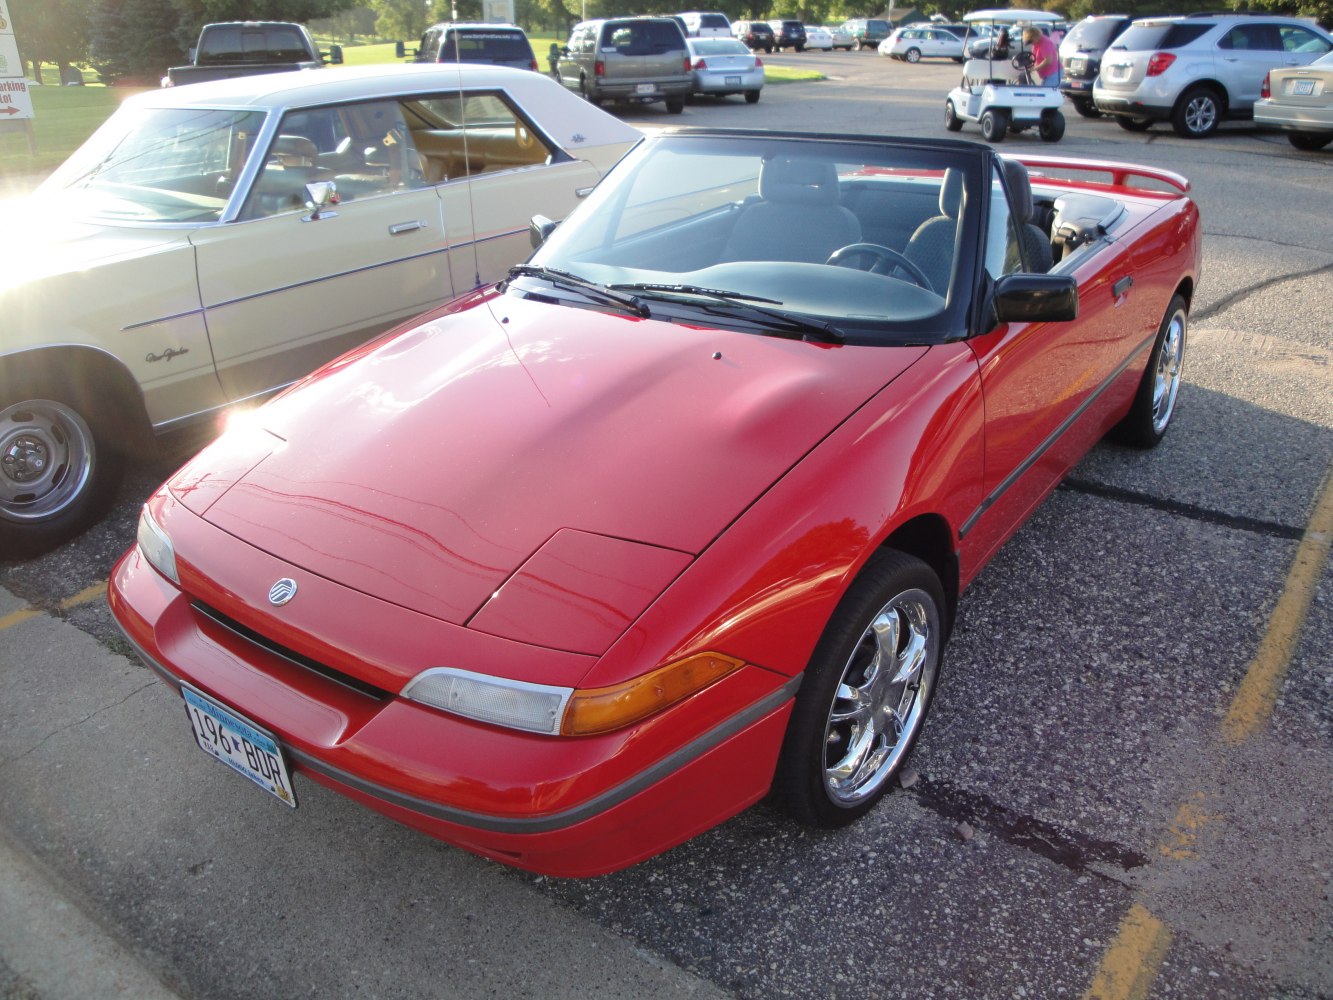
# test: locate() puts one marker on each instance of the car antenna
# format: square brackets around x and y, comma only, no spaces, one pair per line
[467,163]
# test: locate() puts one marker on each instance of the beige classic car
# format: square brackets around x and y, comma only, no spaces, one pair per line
[211,244]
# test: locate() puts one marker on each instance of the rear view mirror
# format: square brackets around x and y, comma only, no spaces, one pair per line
[1035,298]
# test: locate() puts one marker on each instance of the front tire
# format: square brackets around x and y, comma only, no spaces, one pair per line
[58,470]
[994,124]
[865,694]
[951,120]
[1052,127]
[1197,114]
[1155,401]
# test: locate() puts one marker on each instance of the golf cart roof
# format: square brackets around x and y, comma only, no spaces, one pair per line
[1012,15]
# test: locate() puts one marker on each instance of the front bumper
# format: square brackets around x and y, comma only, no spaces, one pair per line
[556,805]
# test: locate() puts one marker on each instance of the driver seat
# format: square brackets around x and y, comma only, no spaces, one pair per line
[932,246]
[798,217]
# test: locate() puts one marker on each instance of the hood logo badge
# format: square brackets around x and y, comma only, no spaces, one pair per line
[282,592]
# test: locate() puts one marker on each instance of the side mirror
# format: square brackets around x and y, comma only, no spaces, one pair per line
[399,50]
[1035,298]
[564,50]
[540,229]
[318,196]
[336,55]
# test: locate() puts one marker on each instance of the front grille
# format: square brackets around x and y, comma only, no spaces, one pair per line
[290,655]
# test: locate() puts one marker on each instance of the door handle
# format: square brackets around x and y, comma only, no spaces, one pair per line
[1121,288]
[398,228]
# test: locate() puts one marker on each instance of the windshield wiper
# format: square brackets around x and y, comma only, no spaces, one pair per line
[725,302]
[573,282]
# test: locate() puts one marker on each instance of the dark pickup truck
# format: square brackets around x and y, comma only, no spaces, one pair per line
[243,48]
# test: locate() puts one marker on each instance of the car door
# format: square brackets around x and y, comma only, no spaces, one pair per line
[284,289]
[1245,55]
[1045,385]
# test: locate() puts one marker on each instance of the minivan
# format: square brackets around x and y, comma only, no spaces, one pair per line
[631,59]
[493,44]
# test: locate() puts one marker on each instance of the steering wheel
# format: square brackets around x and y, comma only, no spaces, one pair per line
[883,256]
[1024,60]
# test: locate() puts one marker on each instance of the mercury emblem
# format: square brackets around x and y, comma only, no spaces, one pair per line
[282,592]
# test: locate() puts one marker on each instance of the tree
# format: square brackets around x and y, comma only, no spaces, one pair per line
[133,40]
[51,31]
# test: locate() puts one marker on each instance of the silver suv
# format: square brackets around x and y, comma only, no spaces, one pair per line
[1197,70]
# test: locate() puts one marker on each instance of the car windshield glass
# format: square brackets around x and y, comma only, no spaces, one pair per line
[158,165]
[1092,34]
[826,233]
[1153,36]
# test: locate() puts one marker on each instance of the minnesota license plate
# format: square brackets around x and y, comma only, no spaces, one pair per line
[645,88]
[239,744]
[733,81]
[1302,88]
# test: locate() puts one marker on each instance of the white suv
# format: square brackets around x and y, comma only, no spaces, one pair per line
[1197,70]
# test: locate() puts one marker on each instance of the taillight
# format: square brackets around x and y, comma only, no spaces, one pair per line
[1265,91]
[599,68]
[758,63]
[687,64]
[699,64]
[1159,63]
[533,65]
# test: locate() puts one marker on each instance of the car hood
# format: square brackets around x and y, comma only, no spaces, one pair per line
[437,466]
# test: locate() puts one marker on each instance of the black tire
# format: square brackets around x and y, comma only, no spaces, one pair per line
[1052,127]
[675,105]
[60,467]
[1198,113]
[951,120]
[1308,143]
[1133,124]
[859,46]
[912,55]
[1085,107]
[586,94]
[994,124]
[752,97]
[1154,403]
[800,48]
[893,612]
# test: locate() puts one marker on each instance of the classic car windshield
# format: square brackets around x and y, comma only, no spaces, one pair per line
[158,165]
[867,237]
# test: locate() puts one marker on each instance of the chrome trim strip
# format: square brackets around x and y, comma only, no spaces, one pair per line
[162,319]
[517,824]
[1054,436]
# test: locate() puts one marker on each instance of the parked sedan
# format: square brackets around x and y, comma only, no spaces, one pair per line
[916,43]
[842,38]
[1299,102]
[213,243]
[580,565]
[818,38]
[722,66]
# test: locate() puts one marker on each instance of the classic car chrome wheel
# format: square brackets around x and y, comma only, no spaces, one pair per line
[1155,402]
[866,693]
[54,476]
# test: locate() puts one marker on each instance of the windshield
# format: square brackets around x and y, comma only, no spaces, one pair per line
[827,231]
[158,165]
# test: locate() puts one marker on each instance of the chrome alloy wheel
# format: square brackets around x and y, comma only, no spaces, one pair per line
[46,459]
[1201,114]
[1166,381]
[881,698]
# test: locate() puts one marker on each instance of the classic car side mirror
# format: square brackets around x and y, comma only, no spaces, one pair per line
[1035,298]
[539,229]
[319,195]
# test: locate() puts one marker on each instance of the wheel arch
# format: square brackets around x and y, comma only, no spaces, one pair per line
[95,381]
[929,538]
[1206,83]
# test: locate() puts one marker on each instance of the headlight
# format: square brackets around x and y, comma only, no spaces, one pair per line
[156,546]
[543,708]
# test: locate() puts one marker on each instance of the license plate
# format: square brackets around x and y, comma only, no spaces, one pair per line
[733,81]
[1079,66]
[1302,88]
[239,744]
[645,88]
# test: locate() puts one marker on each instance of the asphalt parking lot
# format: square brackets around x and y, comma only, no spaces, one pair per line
[1123,791]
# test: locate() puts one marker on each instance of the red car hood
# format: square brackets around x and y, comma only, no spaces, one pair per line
[427,468]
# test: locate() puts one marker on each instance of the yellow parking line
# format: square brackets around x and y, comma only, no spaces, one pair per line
[86,596]
[1130,965]
[1253,705]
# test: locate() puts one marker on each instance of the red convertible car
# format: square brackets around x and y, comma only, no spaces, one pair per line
[679,514]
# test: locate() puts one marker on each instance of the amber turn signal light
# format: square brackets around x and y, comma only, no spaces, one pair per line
[600,710]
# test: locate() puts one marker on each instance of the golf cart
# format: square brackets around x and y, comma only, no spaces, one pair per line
[1001,93]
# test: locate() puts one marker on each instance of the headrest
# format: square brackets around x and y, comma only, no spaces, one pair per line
[799,181]
[1020,189]
[951,193]
[294,151]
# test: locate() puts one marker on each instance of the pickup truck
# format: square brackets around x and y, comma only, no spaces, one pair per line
[243,48]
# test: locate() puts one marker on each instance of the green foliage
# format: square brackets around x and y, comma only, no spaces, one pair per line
[51,30]
[132,40]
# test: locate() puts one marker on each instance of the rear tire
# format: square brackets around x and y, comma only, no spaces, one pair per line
[752,97]
[58,468]
[1154,403]
[1197,113]
[1133,124]
[675,105]
[1085,107]
[865,694]
[994,124]
[1309,143]
[912,55]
